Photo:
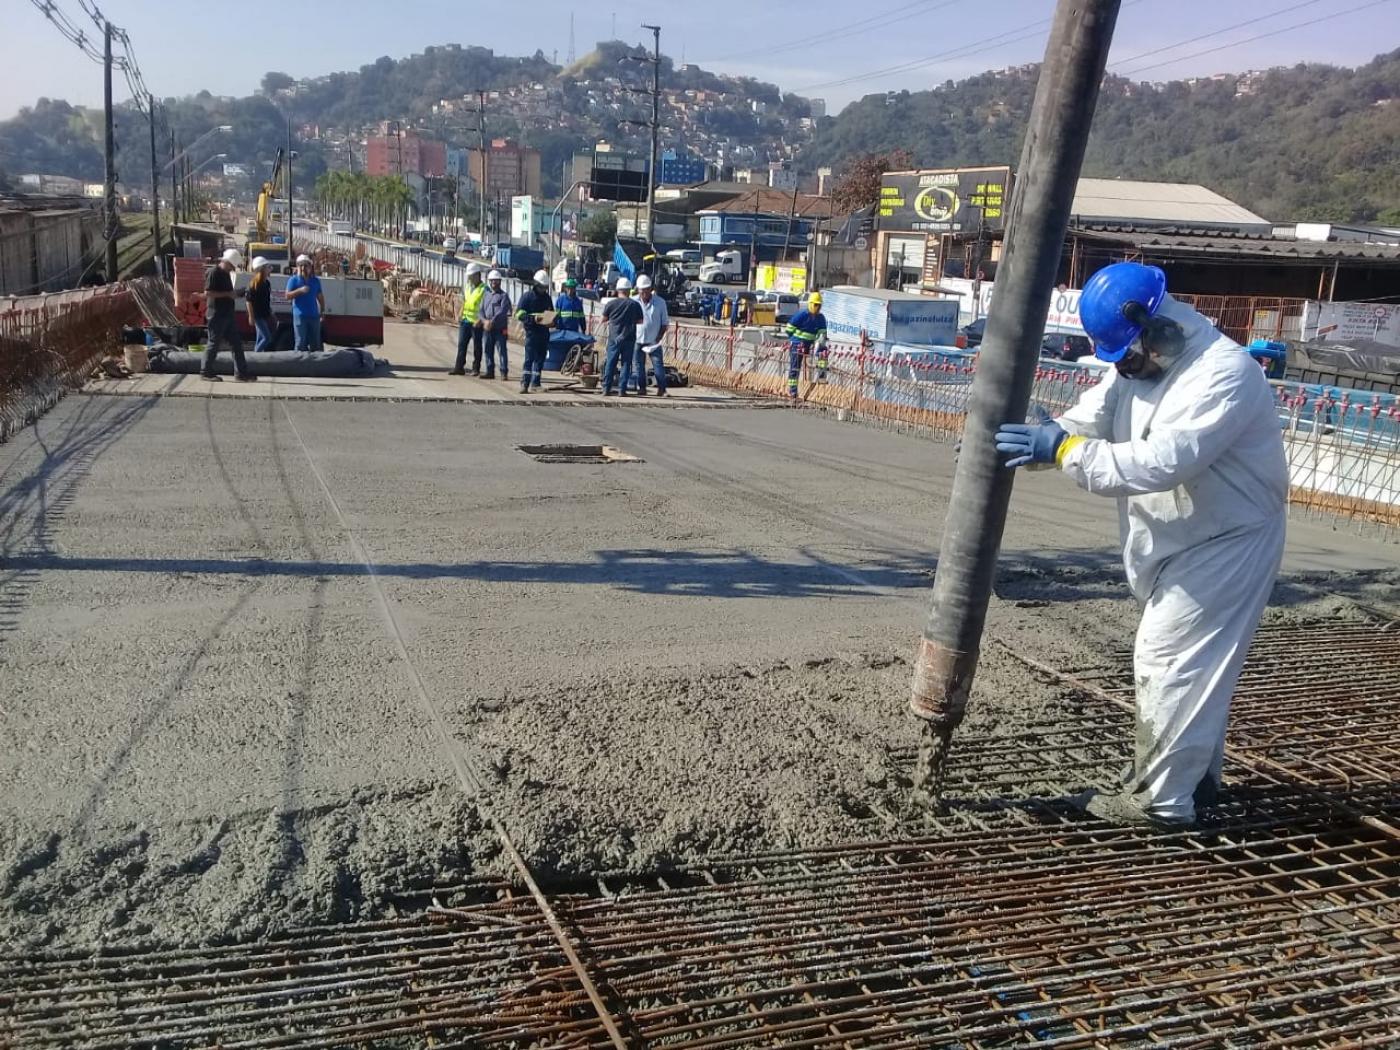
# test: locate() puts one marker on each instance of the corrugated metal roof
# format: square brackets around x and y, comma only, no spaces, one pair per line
[1181,203]
[1169,239]
[775,203]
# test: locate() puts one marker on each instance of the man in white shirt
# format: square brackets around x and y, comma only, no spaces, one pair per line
[650,333]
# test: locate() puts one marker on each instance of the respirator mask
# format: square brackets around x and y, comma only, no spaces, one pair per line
[1156,348]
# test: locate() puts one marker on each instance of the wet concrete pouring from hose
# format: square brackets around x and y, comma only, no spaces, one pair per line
[729,853]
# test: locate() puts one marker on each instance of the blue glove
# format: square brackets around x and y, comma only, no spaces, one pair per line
[1029,442]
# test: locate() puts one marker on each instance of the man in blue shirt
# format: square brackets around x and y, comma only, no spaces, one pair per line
[621,315]
[568,308]
[806,333]
[304,291]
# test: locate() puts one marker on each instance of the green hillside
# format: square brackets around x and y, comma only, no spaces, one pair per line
[1307,142]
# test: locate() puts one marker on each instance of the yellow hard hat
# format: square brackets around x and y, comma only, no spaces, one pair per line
[815,299]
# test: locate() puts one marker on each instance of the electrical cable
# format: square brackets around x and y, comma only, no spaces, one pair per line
[1214,32]
[857,28]
[1260,36]
[66,26]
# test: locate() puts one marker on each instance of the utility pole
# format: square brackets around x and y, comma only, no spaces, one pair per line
[109,150]
[485,165]
[155,189]
[753,244]
[290,256]
[655,128]
[792,214]
[174,185]
[1058,130]
[977,264]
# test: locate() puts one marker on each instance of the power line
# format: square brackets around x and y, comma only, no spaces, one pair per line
[973,47]
[856,28]
[66,26]
[1260,36]
[1214,32]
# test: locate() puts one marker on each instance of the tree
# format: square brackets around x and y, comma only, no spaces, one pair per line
[274,82]
[859,184]
[599,228]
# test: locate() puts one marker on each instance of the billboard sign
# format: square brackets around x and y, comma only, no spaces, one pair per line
[617,177]
[946,200]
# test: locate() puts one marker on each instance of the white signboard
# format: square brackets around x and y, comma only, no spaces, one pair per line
[1063,314]
[522,219]
[1346,322]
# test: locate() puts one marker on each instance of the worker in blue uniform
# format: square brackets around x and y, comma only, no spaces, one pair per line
[806,334]
[532,312]
[568,309]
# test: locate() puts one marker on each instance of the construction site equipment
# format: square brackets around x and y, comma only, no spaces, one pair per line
[277,255]
[1066,94]
[354,314]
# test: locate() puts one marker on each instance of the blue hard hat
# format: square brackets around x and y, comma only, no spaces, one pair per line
[1116,302]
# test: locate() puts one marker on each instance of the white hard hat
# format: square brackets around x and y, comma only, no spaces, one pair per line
[624,285]
[233,255]
[303,258]
[258,262]
[542,277]
[644,281]
[475,268]
[494,275]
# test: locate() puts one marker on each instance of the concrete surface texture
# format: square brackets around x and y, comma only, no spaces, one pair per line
[210,729]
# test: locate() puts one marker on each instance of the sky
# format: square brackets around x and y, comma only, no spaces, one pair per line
[829,49]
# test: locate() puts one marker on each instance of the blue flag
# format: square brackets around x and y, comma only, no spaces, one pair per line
[623,263]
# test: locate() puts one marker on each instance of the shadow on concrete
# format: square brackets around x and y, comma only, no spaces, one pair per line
[33,505]
[717,574]
[1048,578]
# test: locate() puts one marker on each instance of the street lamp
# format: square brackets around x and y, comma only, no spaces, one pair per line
[191,147]
[194,172]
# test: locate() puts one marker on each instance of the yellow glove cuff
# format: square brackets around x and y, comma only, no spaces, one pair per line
[1067,446]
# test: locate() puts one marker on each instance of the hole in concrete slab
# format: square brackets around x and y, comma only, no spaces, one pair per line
[577,454]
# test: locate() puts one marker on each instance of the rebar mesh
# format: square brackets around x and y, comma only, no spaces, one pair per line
[1009,920]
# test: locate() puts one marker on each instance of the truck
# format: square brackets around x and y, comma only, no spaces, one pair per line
[889,316]
[727,267]
[518,260]
[354,310]
[687,260]
[343,227]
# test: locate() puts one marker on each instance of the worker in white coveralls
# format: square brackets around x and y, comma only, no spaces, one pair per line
[1184,433]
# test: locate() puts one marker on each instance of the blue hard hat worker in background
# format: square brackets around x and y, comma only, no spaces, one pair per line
[1184,433]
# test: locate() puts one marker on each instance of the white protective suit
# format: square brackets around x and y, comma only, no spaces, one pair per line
[1195,458]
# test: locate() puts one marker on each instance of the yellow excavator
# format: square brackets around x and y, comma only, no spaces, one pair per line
[277,255]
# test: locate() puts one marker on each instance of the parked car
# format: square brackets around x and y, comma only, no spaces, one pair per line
[974,332]
[787,308]
[1066,346]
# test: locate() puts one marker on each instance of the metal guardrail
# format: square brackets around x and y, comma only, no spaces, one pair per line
[1343,447]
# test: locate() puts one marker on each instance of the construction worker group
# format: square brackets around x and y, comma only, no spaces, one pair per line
[635,328]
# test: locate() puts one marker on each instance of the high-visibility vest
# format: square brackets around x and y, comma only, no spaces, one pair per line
[471,302]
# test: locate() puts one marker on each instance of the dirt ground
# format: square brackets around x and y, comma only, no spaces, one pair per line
[210,729]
